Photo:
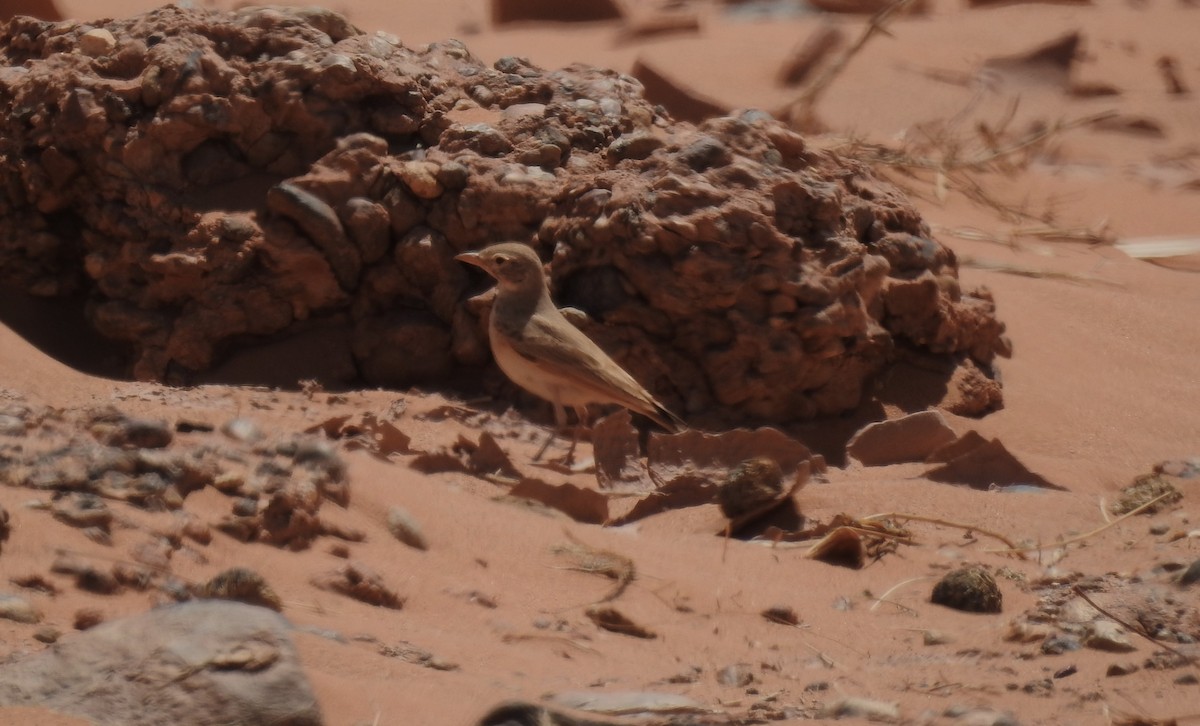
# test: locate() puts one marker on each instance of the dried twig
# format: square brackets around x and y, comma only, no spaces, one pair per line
[1140,631]
[802,106]
[947,523]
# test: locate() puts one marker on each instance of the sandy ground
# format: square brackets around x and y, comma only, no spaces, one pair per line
[1104,383]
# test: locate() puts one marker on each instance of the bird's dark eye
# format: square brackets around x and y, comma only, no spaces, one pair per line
[501,261]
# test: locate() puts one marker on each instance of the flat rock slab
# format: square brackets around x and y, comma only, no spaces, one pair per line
[195,664]
[911,438]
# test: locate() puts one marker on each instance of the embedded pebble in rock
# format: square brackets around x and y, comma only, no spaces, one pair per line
[729,267]
[97,42]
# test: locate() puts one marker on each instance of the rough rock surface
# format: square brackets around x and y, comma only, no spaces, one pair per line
[214,177]
[194,664]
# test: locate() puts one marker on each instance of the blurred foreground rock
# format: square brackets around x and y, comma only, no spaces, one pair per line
[213,178]
[208,662]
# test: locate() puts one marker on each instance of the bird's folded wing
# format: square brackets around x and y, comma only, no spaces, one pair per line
[567,353]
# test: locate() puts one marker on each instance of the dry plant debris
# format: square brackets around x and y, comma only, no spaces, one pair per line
[1146,493]
[585,558]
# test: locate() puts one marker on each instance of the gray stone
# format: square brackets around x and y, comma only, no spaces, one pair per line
[13,607]
[194,664]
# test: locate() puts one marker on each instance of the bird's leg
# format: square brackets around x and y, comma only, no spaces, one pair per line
[581,413]
[560,422]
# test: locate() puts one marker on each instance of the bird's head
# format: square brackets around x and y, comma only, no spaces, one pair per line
[514,265]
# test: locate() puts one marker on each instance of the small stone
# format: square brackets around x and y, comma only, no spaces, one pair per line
[1121,669]
[1108,636]
[937,637]
[738,675]
[339,549]
[971,589]
[242,430]
[80,509]
[1064,672]
[1023,631]
[1188,679]
[47,634]
[97,42]
[88,618]
[95,580]
[357,581]
[1159,529]
[781,614]
[966,716]
[18,609]
[245,507]
[1060,644]
[871,710]
[421,178]
[453,175]
[404,528]
[133,575]
[634,146]
[229,482]
[910,438]
[114,428]
[241,584]
[1191,575]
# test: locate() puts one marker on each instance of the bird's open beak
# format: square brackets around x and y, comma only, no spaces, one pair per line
[471,258]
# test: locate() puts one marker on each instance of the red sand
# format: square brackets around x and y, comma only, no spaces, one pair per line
[1103,384]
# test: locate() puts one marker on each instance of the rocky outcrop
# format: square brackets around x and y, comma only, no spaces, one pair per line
[195,664]
[210,178]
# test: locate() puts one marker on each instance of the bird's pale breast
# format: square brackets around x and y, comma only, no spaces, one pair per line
[533,378]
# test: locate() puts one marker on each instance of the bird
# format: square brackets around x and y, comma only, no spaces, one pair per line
[543,353]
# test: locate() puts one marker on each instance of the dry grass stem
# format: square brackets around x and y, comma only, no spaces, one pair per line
[600,562]
[884,597]
[1031,272]
[947,523]
[803,105]
[1086,535]
[1135,629]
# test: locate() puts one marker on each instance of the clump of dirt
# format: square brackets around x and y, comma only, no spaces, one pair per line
[970,588]
[211,178]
